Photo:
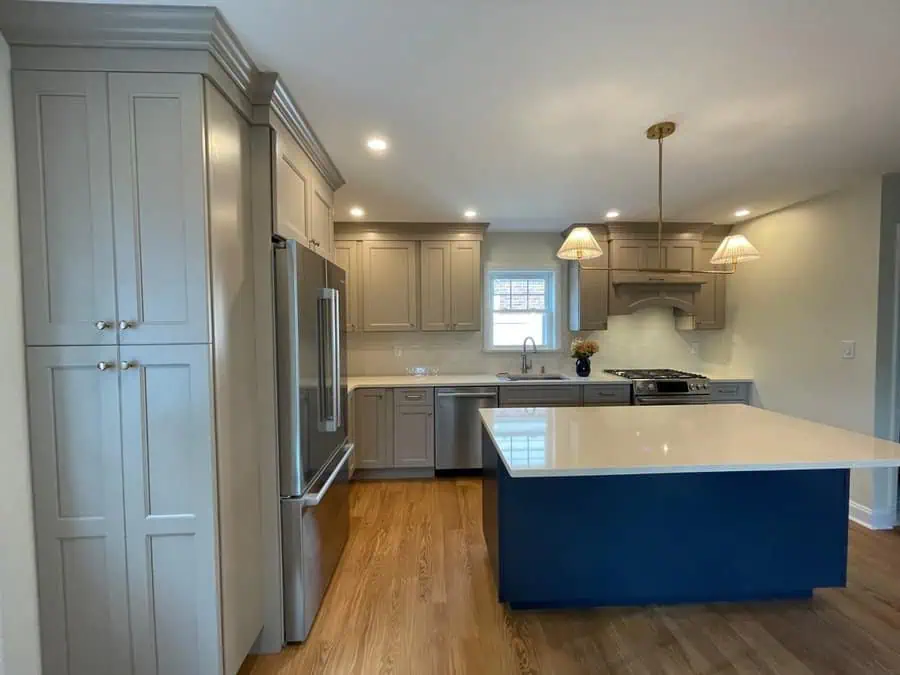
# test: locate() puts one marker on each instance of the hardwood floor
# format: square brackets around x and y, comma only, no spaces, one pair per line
[413,595]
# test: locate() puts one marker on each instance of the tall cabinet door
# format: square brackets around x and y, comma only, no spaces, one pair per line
[346,256]
[76,464]
[465,296]
[62,148]
[167,438]
[389,290]
[435,284]
[159,207]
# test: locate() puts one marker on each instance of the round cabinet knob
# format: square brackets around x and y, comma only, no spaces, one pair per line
[105,365]
[124,325]
[127,365]
[103,325]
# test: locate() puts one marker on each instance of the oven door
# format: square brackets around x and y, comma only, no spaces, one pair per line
[699,399]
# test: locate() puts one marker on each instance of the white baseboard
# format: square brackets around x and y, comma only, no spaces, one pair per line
[873,520]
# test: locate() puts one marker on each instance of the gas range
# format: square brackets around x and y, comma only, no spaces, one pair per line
[661,386]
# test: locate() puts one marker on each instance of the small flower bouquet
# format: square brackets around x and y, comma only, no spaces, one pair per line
[584,349]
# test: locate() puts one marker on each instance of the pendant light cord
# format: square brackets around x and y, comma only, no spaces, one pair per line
[659,221]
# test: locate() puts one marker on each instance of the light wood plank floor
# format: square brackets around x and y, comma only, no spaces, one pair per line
[413,595]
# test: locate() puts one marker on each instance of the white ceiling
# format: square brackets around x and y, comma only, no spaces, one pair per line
[534,111]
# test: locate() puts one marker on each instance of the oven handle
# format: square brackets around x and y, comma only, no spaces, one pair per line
[672,400]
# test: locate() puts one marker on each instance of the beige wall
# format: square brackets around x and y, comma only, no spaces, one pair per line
[815,285]
[647,338]
[19,652]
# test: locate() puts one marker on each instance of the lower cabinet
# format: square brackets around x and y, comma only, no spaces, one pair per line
[122,469]
[414,436]
[373,417]
[730,392]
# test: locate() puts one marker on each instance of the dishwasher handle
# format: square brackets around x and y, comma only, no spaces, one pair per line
[465,394]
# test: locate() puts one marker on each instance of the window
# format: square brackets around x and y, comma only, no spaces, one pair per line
[519,304]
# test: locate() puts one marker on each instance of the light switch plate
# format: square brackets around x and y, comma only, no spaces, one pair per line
[695,348]
[848,349]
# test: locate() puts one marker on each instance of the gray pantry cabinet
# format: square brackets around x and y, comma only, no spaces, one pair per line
[143,565]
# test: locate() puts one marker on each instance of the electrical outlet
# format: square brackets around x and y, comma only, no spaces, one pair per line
[848,349]
[398,351]
[695,348]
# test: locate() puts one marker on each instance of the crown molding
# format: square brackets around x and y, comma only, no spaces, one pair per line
[649,230]
[363,230]
[268,94]
[156,30]
[63,24]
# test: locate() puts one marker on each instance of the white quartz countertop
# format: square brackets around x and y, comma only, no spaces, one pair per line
[549,442]
[474,380]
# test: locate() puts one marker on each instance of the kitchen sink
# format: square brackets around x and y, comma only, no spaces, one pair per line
[516,377]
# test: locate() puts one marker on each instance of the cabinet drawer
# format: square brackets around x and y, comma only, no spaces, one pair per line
[724,392]
[414,396]
[599,394]
[518,396]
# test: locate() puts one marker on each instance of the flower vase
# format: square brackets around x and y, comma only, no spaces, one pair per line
[583,366]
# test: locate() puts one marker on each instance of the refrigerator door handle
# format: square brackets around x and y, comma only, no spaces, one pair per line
[336,358]
[322,338]
[331,340]
[294,341]
[316,498]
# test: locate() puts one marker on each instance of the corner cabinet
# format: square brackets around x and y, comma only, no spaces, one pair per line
[346,256]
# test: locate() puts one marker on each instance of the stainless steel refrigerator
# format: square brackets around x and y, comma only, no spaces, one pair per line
[313,446]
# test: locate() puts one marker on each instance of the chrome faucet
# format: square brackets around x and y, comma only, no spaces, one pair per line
[526,363]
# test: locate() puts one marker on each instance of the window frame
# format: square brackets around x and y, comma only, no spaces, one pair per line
[554,321]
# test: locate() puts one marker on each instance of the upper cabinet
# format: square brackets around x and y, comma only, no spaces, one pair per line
[465,285]
[709,301]
[304,202]
[451,285]
[68,266]
[412,277]
[346,256]
[113,213]
[589,291]
[389,289]
[159,207]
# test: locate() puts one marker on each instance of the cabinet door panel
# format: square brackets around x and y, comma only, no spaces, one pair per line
[436,285]
[413,437]
[291,188]
[62,148]
[322,230]
[373,411]
[76,463]
[159,193]
[346,256]
[465,295]
[389,290]
[170,509]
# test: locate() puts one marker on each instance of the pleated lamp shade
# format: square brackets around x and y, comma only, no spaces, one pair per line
[579,245]
[734,249]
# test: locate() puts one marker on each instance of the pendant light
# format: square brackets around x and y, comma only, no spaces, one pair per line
[579,245]
[734,249]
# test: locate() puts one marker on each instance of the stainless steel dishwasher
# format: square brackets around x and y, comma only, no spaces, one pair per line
[457,429]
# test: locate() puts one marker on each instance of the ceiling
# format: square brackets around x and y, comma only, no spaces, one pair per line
[534,112]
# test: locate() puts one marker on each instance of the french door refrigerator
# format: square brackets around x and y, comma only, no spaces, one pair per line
[313,448]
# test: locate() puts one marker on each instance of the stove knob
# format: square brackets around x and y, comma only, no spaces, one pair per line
[706,385]
[692,386]
[651,386]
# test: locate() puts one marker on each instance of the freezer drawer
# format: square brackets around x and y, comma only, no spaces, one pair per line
[314,530]
[458,426]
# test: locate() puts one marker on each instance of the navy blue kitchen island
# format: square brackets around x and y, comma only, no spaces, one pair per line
[588,507]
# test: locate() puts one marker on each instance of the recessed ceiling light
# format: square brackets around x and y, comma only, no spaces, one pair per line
[357,212]
[740,213]
[470,213]
[613,213]
[377,144]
